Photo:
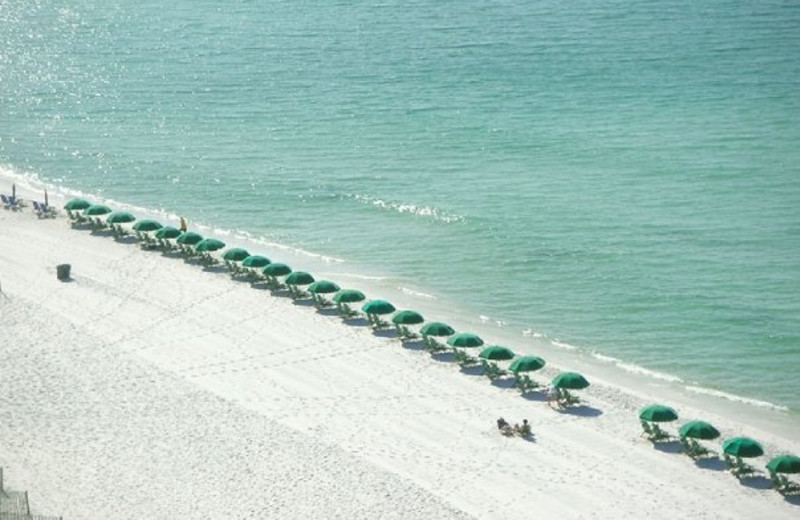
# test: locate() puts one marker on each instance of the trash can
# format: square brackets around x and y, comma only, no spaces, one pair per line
[62,271]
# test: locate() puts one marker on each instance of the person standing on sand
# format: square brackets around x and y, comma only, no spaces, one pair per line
[553,394]
[183,225]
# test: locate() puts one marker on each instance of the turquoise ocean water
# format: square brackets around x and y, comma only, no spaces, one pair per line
[619,181]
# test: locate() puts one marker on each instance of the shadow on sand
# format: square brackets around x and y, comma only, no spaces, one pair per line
[472,370]
[444,357]
[713,464]
[793,499]
[668,447]
[582,410]
[414,345]
[756,482]
[356,322]
[386,332]
[328,311]
[503,382]
[535,395]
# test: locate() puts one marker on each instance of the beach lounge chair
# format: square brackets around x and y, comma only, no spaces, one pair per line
[376,322]
[783,485]
[654,433]
[432,345]
[738,467]
[491,370]
[525,383]
[297,293]
[76,217]
[462,358]
[567,399]
[11,202]
[695,450]
[97,223]
[345,311]
[700,451]
[118,231]
[404,334]
[43,210]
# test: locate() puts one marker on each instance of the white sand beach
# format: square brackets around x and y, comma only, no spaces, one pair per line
[147,387]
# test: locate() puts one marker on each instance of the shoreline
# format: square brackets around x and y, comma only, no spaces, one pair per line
[633,378]
[146,372]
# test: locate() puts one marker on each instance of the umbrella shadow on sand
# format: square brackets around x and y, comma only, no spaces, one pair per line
[503,382]
[582,410]
[444,357]
[535,395]
[668,447]
[389,332]
[415,344]
[356,322]
[328,311]
[793,499]
[305,302]
[472,370]
[756,482]
[713,464]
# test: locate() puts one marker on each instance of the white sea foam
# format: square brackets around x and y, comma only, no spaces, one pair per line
[736,398]
[401,207]
[636,369]
[561,344]
[417,294]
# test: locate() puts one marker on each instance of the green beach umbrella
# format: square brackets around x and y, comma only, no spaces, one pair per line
[465,339]
[658,413]
[77,204]
[277,269]
[256,261]
[742,447]
[698,430]
[209,244]
[120,217]
[378,307]
[168,232]
[299,278]
[235,254]
[437,328]
[323,287]
[570,381]
[189,238]
[349,296]
[96,210]
[407,318]
[498,353]
[784,464]
[526,364]
[146,225]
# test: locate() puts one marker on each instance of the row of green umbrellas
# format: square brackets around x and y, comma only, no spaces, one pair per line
[735,446]
[565,380]
[377,307]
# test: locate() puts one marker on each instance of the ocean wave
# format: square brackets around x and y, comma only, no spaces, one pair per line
[736,398]
[417,294]
[561,344]
[403,207]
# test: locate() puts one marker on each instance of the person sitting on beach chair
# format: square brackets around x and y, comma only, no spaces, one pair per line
[504,427]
